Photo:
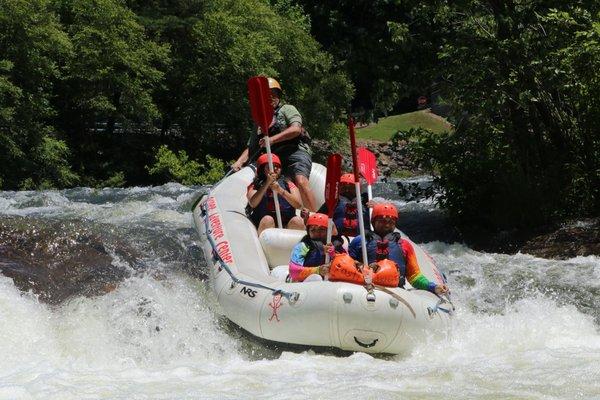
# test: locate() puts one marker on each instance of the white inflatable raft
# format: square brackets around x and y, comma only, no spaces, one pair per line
[248,276]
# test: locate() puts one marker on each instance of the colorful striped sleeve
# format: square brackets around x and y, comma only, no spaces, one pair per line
[298,272]
[413,272]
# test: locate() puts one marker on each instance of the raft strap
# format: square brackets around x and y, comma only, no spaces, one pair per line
[291,296]
[397,297]
[442,300]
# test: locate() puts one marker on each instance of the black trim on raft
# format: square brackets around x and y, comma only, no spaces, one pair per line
[198,200]
[365,345]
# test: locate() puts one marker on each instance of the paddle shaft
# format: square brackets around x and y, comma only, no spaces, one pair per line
[275,196]
[361,222]
[329,233]
[261,109]
[370,197]
[231,170]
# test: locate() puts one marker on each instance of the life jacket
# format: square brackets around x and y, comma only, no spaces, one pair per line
[386,248]
[287,147]
[387,274]
[316,252]
[267,205]
[350,222]
[345,217]
[343,269]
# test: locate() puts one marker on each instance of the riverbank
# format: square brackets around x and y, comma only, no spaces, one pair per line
[393,161]
[561,241]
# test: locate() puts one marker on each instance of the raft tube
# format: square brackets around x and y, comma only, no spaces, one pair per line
[247,274]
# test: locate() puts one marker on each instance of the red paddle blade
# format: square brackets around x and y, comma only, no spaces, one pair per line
[353,149]
[332,182]
[259,95]
[367,165]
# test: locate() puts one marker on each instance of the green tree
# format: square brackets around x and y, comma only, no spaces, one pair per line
[382,46]
[518,75]
[217,46]
[33,48]
[106,95]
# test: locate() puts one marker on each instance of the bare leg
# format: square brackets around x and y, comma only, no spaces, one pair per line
[266,222]
[296,223]
[308,197]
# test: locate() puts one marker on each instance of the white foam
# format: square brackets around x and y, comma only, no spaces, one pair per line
[524,328]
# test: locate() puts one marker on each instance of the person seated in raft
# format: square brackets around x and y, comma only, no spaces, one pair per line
[384,243]
[289,139]
[307,262]
[345,216]
[261,200]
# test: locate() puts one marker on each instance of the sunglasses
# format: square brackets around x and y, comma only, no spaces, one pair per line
[385,219]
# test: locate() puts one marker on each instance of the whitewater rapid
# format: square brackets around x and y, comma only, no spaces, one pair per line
[525,328]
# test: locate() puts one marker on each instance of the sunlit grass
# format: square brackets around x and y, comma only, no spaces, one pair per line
[386,127]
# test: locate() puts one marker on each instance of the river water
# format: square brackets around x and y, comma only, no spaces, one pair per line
[525,328]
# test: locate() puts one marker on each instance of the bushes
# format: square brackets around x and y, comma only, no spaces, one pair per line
[525,106]
[89,88]
[178,167]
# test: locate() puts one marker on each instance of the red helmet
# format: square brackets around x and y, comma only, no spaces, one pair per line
[317,219]
[384,210]
[347,178]
[264,159]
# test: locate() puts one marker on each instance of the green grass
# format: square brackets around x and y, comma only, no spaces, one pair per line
[386,127]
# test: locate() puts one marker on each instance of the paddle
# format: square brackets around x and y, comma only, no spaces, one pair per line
[332,191]
[259,95]
[368,169]
[361,222]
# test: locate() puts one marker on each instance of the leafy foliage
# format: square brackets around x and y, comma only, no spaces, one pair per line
[32,49]
[517,74]
[382,47]
[88,88]
[216,50]
[178,167]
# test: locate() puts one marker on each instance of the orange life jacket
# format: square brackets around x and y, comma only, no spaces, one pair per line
[343,269]
[387,274]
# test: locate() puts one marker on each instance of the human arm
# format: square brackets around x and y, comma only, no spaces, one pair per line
[413,271]
[242,159]
[293,196]
[338,244]
[298,272]
[255,195]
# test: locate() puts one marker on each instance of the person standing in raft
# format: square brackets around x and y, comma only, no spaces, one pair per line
[261,200]
[345,216]
[308,256]
[385,244]
[289,140]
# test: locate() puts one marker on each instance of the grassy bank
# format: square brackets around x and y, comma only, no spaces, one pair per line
[386,127]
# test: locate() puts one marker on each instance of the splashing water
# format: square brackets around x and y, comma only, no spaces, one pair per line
[526,328]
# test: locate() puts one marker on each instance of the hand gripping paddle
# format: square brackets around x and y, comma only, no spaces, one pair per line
[259,95]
